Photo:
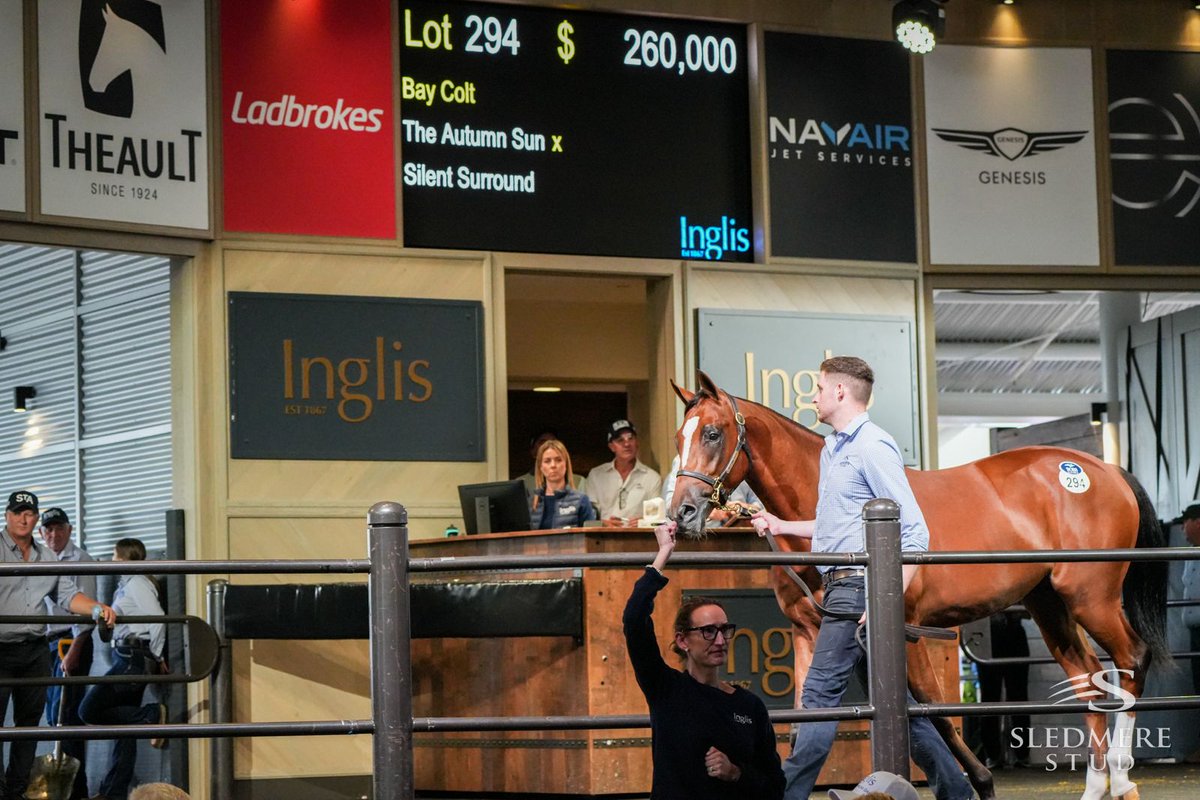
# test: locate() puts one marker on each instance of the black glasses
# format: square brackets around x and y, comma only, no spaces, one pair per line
[709,632]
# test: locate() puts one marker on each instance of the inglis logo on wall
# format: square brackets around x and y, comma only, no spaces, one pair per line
[712,242]
[116,39]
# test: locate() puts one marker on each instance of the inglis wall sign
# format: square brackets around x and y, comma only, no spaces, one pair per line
[123,111]
[363,378]
[771,357]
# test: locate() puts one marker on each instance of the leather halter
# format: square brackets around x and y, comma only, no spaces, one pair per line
[720,492]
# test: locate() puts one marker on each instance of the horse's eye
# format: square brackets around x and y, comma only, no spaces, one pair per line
[712,435]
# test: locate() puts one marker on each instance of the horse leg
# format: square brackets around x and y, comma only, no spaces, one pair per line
[1073,653]
[926,687]
[1107,624]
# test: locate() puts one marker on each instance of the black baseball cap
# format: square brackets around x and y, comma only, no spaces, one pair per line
[22,500]
[55,516]
[619,427]
[1191,512]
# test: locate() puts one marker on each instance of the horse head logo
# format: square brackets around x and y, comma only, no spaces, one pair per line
[119,40]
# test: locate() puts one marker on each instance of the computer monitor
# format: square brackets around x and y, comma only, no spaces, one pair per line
[494,507]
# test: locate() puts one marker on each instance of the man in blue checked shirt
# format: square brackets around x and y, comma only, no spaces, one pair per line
[860,462]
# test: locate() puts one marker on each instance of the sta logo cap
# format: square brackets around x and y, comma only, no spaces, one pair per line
[20,501]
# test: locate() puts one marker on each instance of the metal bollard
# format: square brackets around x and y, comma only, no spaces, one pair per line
[886,660]
[391,656]
[220,694]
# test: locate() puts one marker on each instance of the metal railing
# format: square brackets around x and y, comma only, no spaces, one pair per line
[393,724]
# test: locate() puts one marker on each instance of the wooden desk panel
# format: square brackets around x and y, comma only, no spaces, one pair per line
[559,676]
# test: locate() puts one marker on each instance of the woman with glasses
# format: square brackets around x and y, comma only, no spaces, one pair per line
[555,503]
[708,739]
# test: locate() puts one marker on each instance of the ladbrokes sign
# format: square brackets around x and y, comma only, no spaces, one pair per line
[123,111]
[307,119]
[314,377]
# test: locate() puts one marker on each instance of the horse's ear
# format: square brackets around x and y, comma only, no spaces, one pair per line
[682,393]
[706,384]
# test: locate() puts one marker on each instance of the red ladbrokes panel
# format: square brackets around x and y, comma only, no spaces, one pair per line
[306,103]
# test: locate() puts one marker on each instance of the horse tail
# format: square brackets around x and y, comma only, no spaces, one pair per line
[1145,587]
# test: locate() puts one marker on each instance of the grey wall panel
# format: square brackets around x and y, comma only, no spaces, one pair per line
[51,476]
[105,275]
[37,281]
[126,488]
[126,366]
[44,358]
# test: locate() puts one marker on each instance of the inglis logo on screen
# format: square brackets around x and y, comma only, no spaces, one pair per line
[714,241]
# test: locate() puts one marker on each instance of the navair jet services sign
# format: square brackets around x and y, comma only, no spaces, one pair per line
[123,111]
[12,108]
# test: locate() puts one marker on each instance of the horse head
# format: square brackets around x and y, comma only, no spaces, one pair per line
[137,43]
[713,454]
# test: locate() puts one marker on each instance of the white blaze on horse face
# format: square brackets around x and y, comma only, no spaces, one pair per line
[689,432]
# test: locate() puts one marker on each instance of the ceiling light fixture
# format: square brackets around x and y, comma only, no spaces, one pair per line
[918,23]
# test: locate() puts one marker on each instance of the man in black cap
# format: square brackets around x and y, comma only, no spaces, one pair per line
[1191,585]
[24,652]
[618,488]
[56,533]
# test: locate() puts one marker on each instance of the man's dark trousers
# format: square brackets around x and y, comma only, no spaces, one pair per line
[26,659]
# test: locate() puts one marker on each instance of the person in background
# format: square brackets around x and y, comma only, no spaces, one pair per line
[56,533]
[137,650]
[1191,589]
[556,503]
[158,791]
[23,649]
[878,785]
[709,740]
[619,487]
[530,478]
[741,503]
[1008,682]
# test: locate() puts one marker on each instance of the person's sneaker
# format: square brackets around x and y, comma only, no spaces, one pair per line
[159,743]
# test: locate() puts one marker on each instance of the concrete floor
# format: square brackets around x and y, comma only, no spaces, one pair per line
[1155,782]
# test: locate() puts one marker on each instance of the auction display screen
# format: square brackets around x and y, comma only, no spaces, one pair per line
[559,131]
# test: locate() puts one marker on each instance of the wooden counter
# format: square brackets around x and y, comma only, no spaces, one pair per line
[561,676]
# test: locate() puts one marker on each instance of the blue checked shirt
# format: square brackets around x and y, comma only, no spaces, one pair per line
[859,464]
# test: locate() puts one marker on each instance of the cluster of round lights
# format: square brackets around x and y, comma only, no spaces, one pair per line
[915,36]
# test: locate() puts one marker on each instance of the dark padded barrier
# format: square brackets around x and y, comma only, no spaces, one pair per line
[439,610]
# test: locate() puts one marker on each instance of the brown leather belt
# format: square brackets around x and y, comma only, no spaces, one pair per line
[839,574]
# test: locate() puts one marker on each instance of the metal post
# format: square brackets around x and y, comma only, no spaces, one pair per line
[220,694]
[886,661]
[391,658]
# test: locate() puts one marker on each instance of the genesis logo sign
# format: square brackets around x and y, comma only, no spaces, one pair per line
[119,41]
[1010,144]
[1167,141]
